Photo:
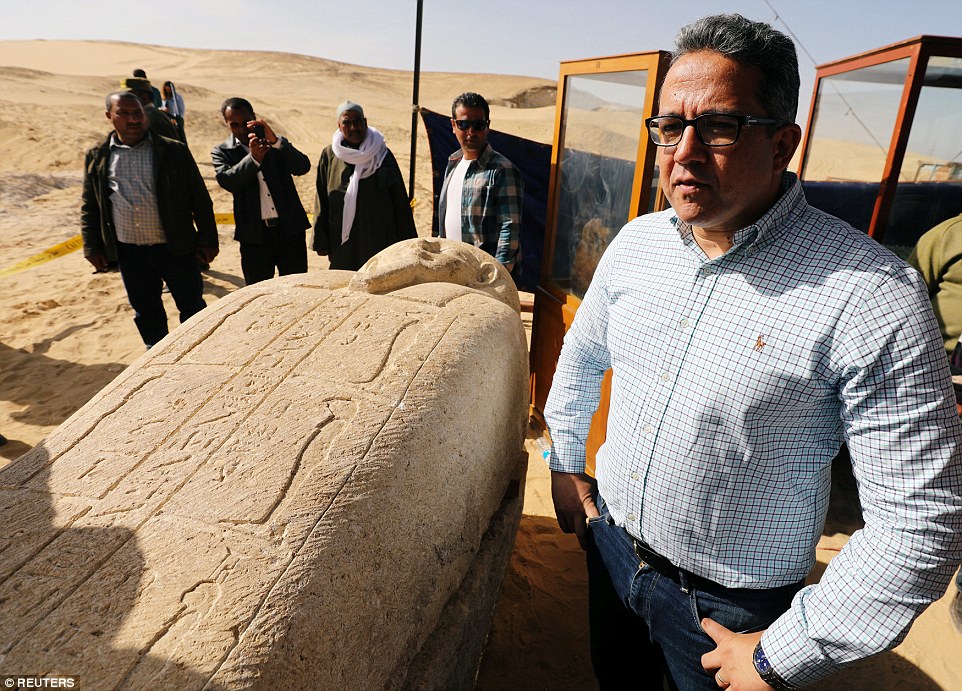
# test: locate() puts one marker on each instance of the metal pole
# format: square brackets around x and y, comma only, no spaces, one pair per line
[414,100]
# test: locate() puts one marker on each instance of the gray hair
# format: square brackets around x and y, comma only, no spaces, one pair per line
[752,43]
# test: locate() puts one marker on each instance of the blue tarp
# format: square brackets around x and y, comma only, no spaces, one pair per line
[532,158]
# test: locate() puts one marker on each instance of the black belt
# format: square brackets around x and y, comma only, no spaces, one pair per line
[660,564]
[271,222]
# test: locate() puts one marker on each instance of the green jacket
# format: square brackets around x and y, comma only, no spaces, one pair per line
[938,257]
[182,200]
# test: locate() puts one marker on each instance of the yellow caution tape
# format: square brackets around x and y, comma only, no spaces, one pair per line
[76,242]
[228,219]
[64,248]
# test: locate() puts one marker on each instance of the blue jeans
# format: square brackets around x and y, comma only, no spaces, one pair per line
[145,269]
[645,626]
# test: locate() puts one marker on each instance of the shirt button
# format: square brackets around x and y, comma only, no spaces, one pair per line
[684,323]
[634,476]
[648,429]
[665,376]
[631,517]
[708,270]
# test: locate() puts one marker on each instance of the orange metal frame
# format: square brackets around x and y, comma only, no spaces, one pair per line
[555,308]
[918,50]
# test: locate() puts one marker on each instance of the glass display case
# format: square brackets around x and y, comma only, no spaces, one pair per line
[884,144]
[602,175]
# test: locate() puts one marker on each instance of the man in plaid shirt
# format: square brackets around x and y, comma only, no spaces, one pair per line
[481,196]
[145,206]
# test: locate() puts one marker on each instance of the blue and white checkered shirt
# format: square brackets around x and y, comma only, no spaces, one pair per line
[133,198]
[736,380]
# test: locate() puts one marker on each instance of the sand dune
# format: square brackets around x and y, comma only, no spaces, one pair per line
[66,332]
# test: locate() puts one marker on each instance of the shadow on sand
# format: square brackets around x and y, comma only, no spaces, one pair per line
[30,378]
[67,588]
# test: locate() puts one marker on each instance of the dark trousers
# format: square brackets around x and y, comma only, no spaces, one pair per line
[288,253]
[145,269]
[646,626]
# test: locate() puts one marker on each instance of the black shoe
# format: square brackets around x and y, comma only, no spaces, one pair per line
[955,611]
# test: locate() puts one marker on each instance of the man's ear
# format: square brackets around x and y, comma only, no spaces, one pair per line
[785,142]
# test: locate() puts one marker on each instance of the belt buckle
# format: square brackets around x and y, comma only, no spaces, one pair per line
[638,553]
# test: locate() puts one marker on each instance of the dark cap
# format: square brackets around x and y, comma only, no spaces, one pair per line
[135,84]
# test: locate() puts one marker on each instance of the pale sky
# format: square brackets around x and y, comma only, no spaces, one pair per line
[526,37]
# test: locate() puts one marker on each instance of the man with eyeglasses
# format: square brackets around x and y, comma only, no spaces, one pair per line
[749,336]
[482,193]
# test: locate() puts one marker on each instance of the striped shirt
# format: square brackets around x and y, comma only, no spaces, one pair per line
[133,197]
[736,379]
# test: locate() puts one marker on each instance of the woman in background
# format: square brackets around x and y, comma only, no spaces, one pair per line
[173,103]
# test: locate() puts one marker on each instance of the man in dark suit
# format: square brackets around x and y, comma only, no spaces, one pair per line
[256,166]
[142,198]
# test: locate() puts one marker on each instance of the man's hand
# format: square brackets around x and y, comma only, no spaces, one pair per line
[731,660]
[260,146]
[269,135]
[571,494]
[207,254]
[99,261]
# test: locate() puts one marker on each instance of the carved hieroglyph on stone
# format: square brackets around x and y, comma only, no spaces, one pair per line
[312,484]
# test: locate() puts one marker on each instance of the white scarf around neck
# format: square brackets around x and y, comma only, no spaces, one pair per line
[366,160]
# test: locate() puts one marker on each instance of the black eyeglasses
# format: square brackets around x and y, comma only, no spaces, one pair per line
[478,125]
[712,129]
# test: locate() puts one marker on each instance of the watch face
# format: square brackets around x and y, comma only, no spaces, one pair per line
[761,662]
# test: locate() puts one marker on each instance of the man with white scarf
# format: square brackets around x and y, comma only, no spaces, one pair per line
[361,205]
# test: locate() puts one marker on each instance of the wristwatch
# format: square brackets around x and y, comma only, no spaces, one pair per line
[765,670]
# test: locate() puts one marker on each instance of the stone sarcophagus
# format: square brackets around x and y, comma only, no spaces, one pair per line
[314,483]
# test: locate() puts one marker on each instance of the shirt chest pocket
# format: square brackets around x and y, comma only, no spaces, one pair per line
[479,199]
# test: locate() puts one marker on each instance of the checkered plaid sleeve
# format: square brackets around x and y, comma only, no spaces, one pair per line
[904,440]
[510,198]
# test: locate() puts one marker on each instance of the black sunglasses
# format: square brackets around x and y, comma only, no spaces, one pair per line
[478,125]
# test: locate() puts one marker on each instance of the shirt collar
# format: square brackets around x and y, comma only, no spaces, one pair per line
[482,158]
[115,142]
[766,229]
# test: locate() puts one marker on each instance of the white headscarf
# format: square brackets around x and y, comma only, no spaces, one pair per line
[366,160]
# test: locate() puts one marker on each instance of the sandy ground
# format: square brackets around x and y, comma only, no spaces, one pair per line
[66,332]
